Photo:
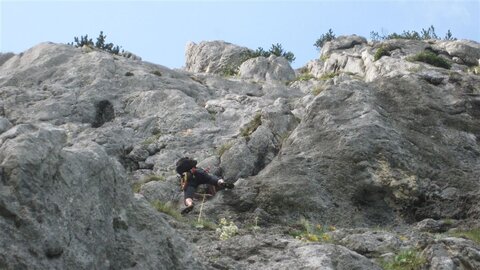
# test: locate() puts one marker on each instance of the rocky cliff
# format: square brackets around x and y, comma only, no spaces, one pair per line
[370,140]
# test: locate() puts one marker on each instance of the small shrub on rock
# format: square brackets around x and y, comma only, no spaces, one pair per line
[276,50]
[100,43]
[407,259]
[227,229]
[324,38]
[382,51]
[431,59]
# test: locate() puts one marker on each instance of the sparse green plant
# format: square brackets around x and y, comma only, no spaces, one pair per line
[317,90]
[224,148]
[328,76]
[255,226]
[382,51]
[430,58]
[152,139]
[230,71]
[328,36]
[226,229]
[424,34]
[473,234]
[324,58]
[167,208]
[305,77]
[157,72]
[252,125]
[410,259]
[305,231]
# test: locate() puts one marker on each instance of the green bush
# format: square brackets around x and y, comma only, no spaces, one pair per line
[100,43]
[382,51]
[424,34]
[324,38]
[431,59]
[276,50]
[409,259]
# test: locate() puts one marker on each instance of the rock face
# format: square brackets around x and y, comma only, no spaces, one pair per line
[216,57]
[359,139]
[269,69]
[70,206]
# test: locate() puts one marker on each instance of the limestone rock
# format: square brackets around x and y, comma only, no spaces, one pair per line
[342,42]
[54,216]
[269,69]
[216,57]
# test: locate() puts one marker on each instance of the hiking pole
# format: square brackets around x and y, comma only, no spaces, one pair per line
[201,208]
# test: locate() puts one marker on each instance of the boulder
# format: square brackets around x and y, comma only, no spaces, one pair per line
[215,57]
[269,69]
[342,43]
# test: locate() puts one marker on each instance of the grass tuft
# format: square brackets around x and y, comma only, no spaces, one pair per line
[410,259]
[167,208]
[252,126]
[431,59]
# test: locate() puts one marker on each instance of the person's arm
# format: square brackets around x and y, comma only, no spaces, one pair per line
[210,178]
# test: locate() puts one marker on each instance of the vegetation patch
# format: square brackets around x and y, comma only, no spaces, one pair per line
[157,73]
[224,148]
[252,126]
[226,229]
[473,234]
[306,231]
[328,76]
[317,90]
[152,139]
[424,34]
[382,51]
[276,50]
[167,208]
[430,58]
[324,38]
[99,44]
[410,259]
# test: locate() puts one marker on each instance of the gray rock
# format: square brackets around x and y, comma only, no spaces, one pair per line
[56,216]
[216,57]
[4,124]
[5,56]
[453,253]
[467,51]
[341,43]
[435,226]
[371,244]
[268,69]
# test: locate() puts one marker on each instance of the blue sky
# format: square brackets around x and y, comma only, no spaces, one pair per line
[159,30]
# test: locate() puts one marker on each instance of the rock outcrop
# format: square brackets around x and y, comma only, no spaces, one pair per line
[366,139]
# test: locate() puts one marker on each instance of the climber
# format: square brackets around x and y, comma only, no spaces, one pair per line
[192,177]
